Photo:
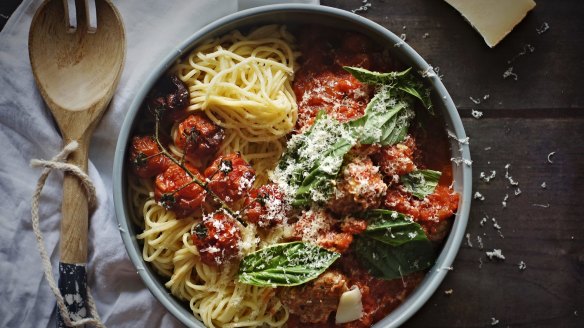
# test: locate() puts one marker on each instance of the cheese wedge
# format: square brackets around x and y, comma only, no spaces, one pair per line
[493,19]
[350,306]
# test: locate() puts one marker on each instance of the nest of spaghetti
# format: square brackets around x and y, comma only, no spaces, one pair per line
[290,178]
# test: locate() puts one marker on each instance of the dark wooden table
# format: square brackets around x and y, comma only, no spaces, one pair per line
[524,121]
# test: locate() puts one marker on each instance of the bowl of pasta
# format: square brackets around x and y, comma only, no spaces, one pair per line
[292,165]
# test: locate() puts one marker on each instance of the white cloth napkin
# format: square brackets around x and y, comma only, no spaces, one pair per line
[153,28]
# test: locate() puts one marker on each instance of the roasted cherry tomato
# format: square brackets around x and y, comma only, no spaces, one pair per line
[266,206]
[198,137]
[146,158]
[217,238]
[177,191]
[230,177]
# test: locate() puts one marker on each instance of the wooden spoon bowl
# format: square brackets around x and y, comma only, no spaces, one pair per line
[77,74]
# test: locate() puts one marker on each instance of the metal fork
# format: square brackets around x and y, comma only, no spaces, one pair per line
[71,15]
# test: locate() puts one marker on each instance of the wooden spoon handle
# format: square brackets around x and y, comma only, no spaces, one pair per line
[74,209]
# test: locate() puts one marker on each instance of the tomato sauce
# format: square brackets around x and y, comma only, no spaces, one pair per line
[323,84]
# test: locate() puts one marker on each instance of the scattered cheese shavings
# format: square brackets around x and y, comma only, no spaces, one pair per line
[485,97]
[544,27]
[509,177]
[366,5]
[460,160]
[468,242]
[480,241]
[480,263]
[504,202]
[4,16]
[478,195]
[527,49]
[426,35]
[522,265]
[487,178]
[403,36]
[496,253]
[543,185]
[476,101]
[494,321]
[549,157]
[476,113]
[517,192]
[428,72]
[488,148]
[542,205]
[495,224]
[483,221]
[509,72]
[463,141]
[448,291]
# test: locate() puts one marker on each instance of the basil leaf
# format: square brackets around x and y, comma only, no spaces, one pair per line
[393,228]
[402,81]
[288,264]
[421,183]
[386,120]
[370,77]
[313,160]
[388,262]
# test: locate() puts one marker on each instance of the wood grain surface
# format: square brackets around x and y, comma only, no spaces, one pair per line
[524,121]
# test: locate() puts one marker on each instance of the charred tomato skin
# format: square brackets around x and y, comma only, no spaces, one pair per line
[230,177]
[176,190]
[265,206]
[217,238]
[146,158]
[198,137]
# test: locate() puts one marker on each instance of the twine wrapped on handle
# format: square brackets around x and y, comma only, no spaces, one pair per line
[59,163]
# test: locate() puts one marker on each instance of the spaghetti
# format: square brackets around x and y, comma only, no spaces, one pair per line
[243,84]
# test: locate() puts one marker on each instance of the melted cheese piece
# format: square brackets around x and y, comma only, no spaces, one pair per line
[493,19]
[350,306]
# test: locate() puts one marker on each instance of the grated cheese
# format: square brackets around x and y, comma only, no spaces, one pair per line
[476,114]
[543,185]
[509,73]
[487,178]
[522,265]
[494,321]
[478,195]
[468,242]
[496,253]
[544,27]
[504,202]
[549,157]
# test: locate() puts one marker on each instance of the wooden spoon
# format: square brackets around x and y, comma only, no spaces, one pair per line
[77,75]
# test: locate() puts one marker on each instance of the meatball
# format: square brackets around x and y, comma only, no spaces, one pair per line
[430,212]
[177,191]
[266,206]
[396,160]
[217,238]
[169,95]
[230,177]
[360,187]
[316,300]
[321,228]
[146,158]
[198,137]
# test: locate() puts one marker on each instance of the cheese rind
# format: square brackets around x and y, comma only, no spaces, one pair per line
[493,19]
[350,306]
